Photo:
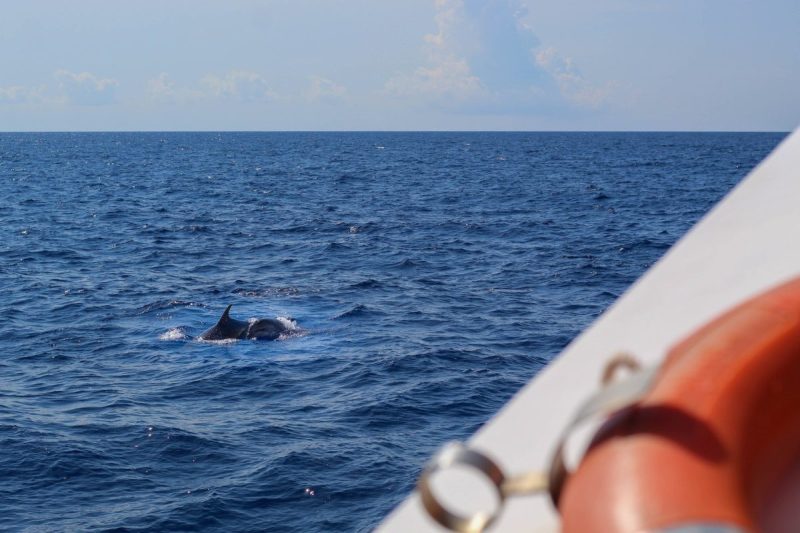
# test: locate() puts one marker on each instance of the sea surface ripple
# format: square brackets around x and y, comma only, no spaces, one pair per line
[432,275]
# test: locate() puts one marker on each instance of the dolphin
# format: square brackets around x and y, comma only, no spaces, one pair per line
[230,328]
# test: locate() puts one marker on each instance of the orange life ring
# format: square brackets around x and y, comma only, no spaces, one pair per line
[711,439]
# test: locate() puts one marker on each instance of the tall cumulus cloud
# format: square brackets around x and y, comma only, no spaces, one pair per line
[485,57]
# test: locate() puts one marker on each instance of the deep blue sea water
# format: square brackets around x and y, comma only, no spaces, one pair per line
[431,275]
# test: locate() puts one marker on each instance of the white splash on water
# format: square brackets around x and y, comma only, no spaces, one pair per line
[174,334]
[217,341]
[288,322]
[292,328]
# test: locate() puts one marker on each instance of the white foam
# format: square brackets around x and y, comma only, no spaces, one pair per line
[174,334]
[292,329]
[218,341]
[289,323]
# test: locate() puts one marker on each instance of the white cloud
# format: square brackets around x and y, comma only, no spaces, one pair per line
[484,57]
[323,89]
[86,88]
[161,89]
[569,80]
[447,73]
[239,85]
[447,14]
[236,85]
[448,76]
[82,88]
[20,94]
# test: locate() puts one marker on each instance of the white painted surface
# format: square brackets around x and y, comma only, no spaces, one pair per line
[749,242]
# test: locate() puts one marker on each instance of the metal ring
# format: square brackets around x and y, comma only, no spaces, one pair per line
[452,455]
[619,361]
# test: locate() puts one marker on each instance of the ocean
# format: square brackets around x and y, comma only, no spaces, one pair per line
[429,275]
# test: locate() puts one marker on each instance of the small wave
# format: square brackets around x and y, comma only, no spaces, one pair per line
[174,334]
[358,310]
[196,228]
[406,263]
[269,291]
[430,281]
[65,255]
[166,304]
[361,228]
[336,247]
[296,228]
[366,284]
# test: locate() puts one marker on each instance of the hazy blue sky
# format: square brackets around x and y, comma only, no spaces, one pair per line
[400,64]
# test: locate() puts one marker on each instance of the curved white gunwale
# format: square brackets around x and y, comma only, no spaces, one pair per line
[747,243]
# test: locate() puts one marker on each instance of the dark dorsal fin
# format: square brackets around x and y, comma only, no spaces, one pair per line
[224,318]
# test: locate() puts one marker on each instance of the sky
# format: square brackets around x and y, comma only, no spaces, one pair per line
[276,65]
